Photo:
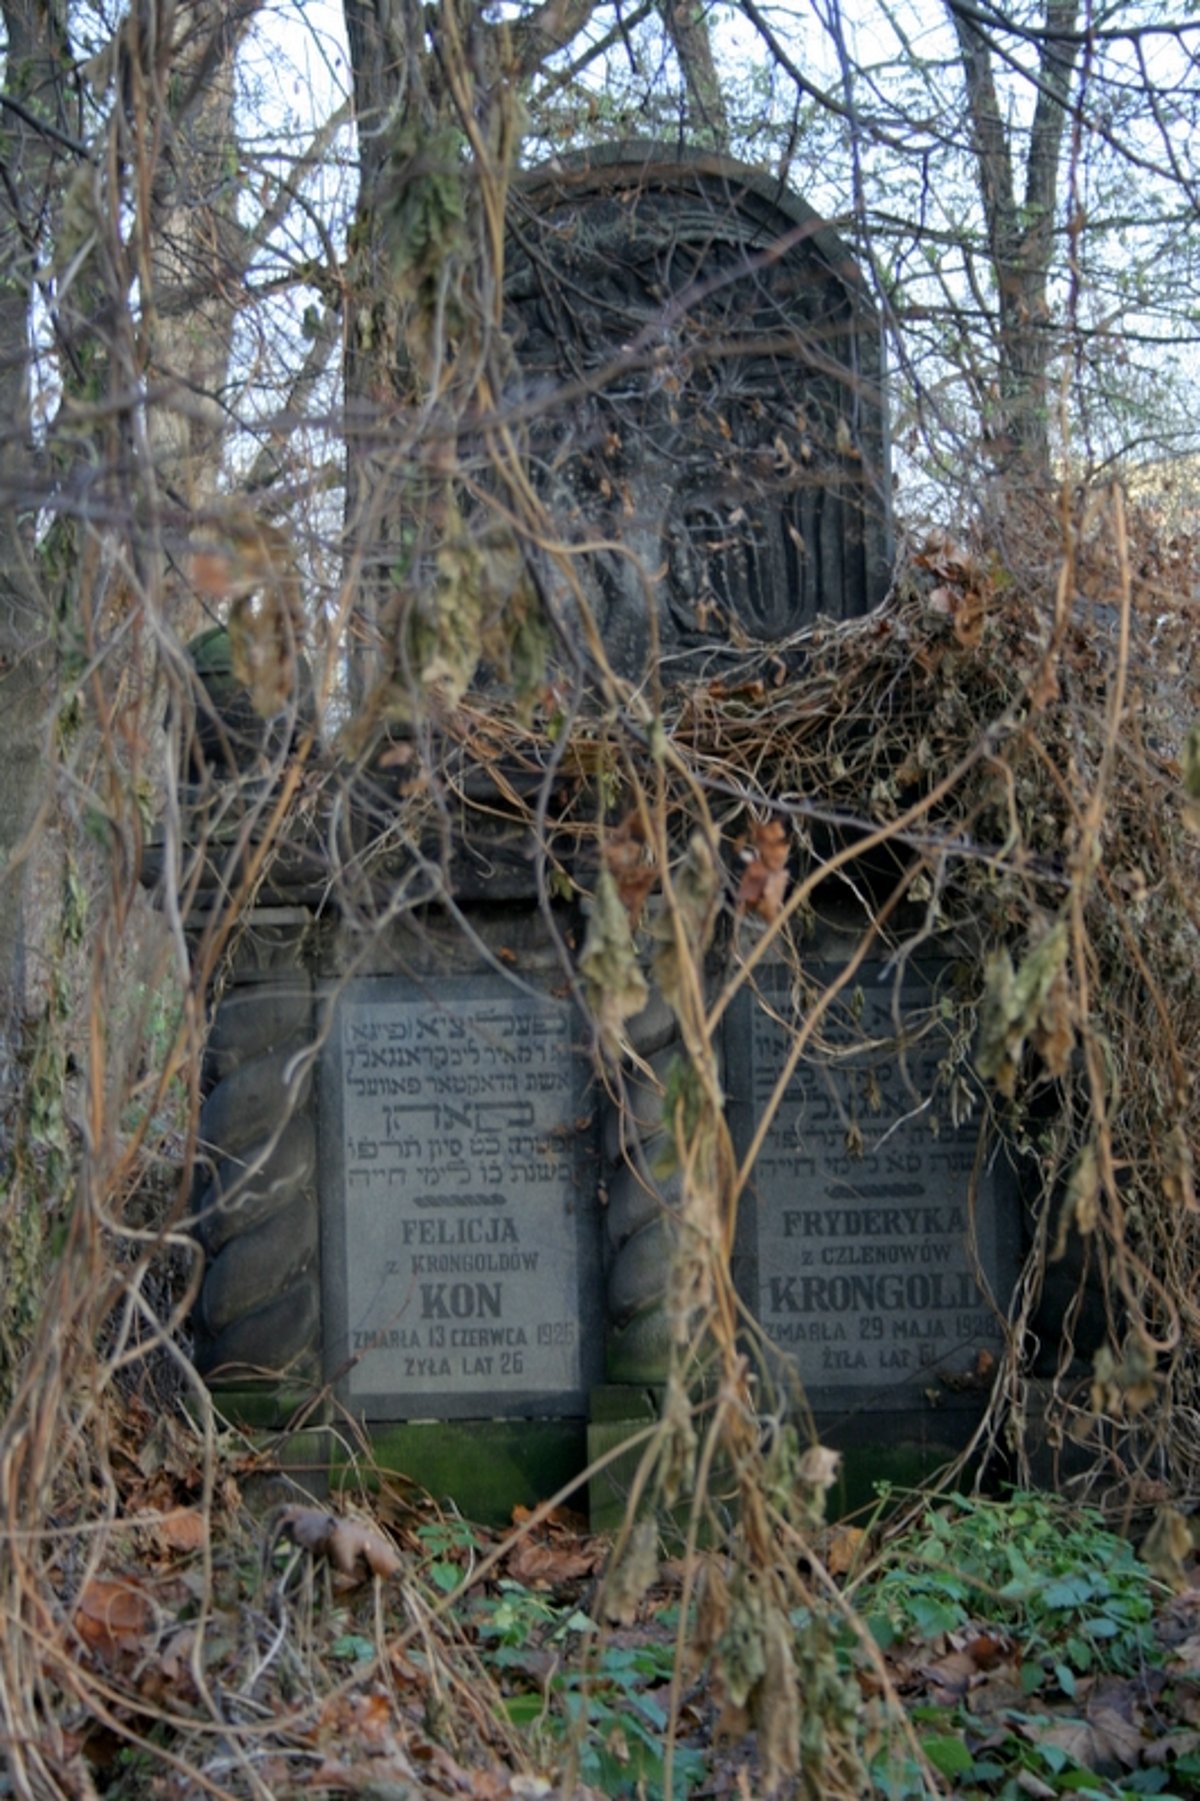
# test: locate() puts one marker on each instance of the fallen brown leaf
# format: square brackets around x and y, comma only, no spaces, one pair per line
[569,1518]
[346,1717]
[397,756]
[182,1529]
[765,878]
[1187,1702]
[752,691]
[1173,1745]
[999,1691]
[549,1566]
[986,1649]
[952,1674]
[1032,1785]
[112,1616]
[1118,1738]
[169,1675]
[629,861]
[1104,1742]
[844,1549]
[1074,1738]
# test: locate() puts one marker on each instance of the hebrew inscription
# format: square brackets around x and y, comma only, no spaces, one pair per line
[862,1245]
[461,1251]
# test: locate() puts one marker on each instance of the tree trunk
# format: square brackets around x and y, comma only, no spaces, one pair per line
[195,245]
[437,106]
[37,129]
[1020,234]
[688,27]
[386,44]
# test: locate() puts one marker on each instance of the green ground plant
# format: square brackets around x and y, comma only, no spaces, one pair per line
[610,1711]
[1061,1610]
[1052,1612]
[1075,1597]
[572,1689]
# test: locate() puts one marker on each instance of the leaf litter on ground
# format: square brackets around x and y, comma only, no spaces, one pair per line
[1031,1649]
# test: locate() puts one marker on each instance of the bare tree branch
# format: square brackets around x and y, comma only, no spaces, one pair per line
[547,31]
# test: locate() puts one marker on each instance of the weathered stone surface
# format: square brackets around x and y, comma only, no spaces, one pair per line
[639,1272]
[256,1097]
[256,1018]
[253,1268]
[701,367]
[634,1200]
[248,1190]
[255,1197]
[653,1027]
[869,1215]
[461,1258]
[487,1467]
[641,1118]
[276,1338]
[639,1353]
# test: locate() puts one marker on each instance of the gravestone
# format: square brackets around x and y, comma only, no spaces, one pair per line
[460,1253]
[409,1191]
[876,1249]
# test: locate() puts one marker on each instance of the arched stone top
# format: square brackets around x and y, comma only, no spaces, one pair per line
[651,166]
[701,381]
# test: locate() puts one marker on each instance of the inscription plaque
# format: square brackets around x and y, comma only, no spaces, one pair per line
[461,1252]
[859,1243]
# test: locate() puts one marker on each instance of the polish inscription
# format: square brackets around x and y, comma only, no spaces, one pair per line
[864,1242]
[463,1224]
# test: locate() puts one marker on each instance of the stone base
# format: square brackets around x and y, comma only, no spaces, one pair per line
[619,1413]
[903,1450]
[269,1406]
[486,1467]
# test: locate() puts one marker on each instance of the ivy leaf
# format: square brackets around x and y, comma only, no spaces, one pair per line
[949,1756]
[427,217]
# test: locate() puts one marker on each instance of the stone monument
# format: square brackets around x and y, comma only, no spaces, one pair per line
[414,1196]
